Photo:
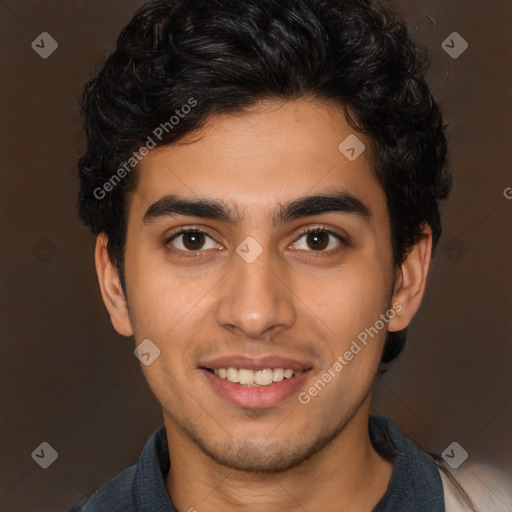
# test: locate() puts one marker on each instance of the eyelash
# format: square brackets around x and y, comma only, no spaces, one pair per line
[311,253]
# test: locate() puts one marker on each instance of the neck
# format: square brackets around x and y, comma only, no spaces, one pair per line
[347,474]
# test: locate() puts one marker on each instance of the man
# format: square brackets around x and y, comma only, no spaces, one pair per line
[263,178]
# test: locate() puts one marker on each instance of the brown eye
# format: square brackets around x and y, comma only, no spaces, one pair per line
[194,240]
[318,240]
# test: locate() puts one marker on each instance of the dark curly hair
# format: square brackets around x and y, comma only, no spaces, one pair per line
[224,56]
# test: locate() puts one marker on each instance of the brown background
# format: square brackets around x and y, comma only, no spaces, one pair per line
[67,378]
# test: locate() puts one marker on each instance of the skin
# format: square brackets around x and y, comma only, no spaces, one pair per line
[293,300]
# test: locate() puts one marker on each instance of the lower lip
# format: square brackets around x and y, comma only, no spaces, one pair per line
[256,397]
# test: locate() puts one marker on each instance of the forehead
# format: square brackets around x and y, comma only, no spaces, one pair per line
[269,154]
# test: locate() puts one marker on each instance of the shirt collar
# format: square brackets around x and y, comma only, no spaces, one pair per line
[149,490]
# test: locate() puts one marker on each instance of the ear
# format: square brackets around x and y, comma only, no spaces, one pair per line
[410,281]
[111,289]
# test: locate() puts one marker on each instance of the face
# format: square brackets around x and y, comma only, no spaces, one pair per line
[257,245]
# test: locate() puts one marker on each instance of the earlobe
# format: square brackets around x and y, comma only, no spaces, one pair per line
[410,282]
[111,289]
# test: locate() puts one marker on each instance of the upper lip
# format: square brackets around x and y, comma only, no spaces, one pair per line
[255,363]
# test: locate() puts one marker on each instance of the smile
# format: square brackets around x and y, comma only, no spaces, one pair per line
[248,377]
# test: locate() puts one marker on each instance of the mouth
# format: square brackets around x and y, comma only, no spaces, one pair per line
[255,383]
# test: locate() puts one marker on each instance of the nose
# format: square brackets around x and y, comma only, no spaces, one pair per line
[256,300]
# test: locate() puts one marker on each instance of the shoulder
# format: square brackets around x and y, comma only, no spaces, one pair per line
[114,496]
[486,486]
[415,482]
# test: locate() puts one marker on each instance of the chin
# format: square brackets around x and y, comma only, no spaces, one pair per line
[275,457]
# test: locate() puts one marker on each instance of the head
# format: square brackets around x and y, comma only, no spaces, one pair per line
[229,119]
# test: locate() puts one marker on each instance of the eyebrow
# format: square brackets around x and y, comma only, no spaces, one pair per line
[338,201]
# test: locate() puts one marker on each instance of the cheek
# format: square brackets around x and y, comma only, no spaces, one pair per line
[347,299]
[349,302]
[162,295]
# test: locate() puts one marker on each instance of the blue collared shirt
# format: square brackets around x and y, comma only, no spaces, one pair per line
[415,483]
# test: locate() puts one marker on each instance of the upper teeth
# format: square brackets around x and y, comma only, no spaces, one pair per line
[262,377]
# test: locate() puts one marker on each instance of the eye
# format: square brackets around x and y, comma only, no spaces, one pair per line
[191,240]
[318,240]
